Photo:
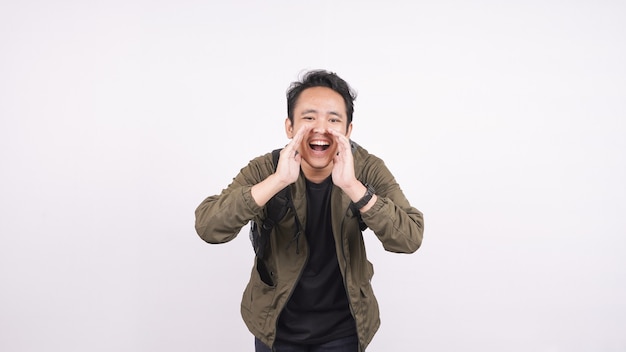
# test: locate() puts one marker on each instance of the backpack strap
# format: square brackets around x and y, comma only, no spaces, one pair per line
[276,209]
[277,206]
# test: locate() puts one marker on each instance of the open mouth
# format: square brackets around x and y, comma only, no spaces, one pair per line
[319,146]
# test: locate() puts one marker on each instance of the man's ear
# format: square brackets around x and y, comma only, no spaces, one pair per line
[349,130]
[289,128]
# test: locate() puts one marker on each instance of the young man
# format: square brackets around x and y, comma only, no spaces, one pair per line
[310,289]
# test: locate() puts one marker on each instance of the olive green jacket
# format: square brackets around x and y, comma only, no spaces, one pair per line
[397,225]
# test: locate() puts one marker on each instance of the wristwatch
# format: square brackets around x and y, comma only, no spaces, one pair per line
[366,198]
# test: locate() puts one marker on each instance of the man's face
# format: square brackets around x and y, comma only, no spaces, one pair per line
[319,109]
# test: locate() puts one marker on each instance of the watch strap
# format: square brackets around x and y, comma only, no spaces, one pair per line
[369,193]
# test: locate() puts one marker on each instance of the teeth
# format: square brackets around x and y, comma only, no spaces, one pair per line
[319,143]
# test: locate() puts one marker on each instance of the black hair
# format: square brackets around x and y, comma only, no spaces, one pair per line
[321,78]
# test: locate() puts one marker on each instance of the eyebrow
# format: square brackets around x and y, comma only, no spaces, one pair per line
[308,111]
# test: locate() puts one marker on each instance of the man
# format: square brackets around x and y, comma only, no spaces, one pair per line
[310,290]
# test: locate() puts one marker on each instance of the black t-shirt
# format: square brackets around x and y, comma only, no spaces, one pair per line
[318,310]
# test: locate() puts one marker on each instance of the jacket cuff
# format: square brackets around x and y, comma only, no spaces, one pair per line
[371,212]
[249,200]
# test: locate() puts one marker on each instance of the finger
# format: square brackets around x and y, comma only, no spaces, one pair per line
[297,139]
[340,137]
[291,147]
[343,143]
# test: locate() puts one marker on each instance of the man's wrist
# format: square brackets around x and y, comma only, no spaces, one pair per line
[354,190]
[263,191]
[366,198]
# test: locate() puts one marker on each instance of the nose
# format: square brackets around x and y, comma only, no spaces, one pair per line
[320,126]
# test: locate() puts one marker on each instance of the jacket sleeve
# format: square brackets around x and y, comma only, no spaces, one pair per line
[398,225]
[219,218]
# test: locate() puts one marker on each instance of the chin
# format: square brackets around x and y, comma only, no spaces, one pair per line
[318,163]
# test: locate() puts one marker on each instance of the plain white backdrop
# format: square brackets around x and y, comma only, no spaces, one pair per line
[504,122]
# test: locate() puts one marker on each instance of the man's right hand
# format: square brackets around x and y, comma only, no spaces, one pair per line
[287,170]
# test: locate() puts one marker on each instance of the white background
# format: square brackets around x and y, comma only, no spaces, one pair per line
[504,122]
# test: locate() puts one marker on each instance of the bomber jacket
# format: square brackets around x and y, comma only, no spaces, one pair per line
[393,220]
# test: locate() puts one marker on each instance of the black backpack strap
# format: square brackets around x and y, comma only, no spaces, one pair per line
[277,206]
[275,209]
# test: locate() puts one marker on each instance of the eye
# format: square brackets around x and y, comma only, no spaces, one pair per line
[307,118]
[333,120]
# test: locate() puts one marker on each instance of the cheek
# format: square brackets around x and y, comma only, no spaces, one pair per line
[340,129]
[296,127]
